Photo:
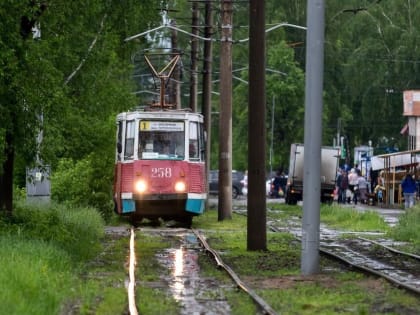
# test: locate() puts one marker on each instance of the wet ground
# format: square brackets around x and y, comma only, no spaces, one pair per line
[197,294]
[390,214]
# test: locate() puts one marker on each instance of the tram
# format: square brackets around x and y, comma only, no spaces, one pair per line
[160,165]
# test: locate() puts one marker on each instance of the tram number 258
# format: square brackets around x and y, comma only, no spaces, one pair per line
[161,172]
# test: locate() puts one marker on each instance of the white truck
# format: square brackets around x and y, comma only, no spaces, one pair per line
[329,164]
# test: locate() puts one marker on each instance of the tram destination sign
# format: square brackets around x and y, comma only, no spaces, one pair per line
[153,125]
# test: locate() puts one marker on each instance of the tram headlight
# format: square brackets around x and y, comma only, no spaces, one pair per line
[180,186]
[141,186]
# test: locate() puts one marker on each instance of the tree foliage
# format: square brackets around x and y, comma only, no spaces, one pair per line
[66,83]
[371,50]
[70,82]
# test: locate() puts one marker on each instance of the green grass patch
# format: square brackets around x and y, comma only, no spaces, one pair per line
[42,250]
[407,229]
[287,210]
[35,277]
[275,274]
[337,294]
[352,219]
[282,256]
[155,301]
[209,221]
[152,300]
[242,304]
[76,230]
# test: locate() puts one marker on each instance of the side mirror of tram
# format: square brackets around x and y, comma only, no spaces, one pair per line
[119,147]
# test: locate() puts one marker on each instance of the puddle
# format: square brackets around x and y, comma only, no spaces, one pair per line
[196,294]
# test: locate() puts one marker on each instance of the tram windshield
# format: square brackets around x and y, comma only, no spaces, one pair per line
[161,140]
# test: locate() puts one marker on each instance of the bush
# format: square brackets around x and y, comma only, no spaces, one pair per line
[85,183]
[42,248]
[75,230]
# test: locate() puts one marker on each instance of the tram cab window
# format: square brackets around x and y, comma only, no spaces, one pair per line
[129,140]
[161,140]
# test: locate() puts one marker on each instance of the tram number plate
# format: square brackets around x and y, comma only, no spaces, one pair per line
[162,172]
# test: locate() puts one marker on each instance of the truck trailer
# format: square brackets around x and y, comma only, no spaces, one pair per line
[329,166]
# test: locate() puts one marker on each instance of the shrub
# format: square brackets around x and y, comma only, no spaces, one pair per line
[75,230]
[84,183]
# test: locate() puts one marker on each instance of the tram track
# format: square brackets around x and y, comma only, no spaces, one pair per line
[195,292]
[399,268]
[263,305]
[371,257]
[184,281]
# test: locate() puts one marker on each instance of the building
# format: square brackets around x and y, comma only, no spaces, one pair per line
[412,112]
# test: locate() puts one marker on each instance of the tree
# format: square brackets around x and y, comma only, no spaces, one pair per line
[74,77]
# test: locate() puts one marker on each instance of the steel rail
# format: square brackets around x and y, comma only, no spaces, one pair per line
[366,269]
[371,271]
[396,251]
[132,279]
[267,309]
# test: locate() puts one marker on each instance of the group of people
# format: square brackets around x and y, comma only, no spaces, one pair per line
[352,187]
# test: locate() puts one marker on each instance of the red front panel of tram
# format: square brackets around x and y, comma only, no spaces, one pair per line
[160,177]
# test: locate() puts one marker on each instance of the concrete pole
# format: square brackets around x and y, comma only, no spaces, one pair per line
[225,121]
[313,136]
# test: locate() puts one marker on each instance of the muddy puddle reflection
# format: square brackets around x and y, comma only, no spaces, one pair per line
[196,294]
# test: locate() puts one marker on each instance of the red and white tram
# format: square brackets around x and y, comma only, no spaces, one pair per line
[160,165]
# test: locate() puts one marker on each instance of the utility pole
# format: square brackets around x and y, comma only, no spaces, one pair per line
[225,121]
[194,55]
[207,77]
[257,225]
[313,136]
[175,95]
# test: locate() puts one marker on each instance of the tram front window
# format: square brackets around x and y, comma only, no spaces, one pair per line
[161,140]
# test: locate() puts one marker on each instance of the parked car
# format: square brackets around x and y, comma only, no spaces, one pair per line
[237,177]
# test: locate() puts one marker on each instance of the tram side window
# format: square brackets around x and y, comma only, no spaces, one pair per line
[202,142]
[119,140]
[129,140]
[193,141]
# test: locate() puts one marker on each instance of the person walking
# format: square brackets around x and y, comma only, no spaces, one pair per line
[344,185]
[362,190]
[353,181]
[408,186]
[338,185]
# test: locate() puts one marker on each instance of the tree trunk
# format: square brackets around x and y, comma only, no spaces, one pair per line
[6,178]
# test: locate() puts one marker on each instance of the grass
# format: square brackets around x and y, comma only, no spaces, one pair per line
[275,274]
[41,252]
[407,229]
[152,300]
[352,220]
[30,285]
[56,260]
